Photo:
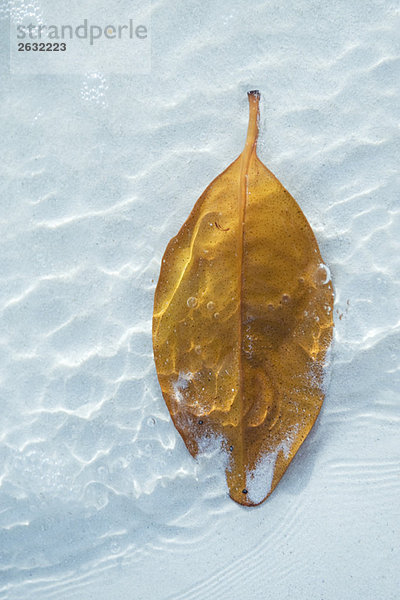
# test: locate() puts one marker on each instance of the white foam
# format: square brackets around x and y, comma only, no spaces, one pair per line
[181,384]
[259,480]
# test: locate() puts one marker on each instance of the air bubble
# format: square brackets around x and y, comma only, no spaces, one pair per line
[323,274]
[102,472]
[147,450]
[151,421]
[115,548]
[210,305]
[192,302]
[216,315]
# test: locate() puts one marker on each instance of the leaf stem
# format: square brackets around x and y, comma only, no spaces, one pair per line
[250,147]
[254,115]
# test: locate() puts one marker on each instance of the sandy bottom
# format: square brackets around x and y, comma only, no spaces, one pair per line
[98,496]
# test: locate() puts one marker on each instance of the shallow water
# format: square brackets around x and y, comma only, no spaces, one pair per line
[98,496]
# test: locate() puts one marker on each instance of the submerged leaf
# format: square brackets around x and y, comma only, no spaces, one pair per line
[242,322]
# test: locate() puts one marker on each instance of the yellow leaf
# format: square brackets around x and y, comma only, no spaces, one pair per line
[242,323]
